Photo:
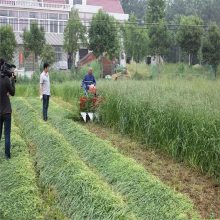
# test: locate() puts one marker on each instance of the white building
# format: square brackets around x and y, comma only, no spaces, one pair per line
[87,8]
[52,15]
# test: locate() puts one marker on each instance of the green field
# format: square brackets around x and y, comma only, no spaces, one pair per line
[89,179]
[179,117]
[62,171]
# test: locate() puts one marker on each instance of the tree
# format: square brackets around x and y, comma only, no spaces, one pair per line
[74,35]
[160,39]
[141,44]
[7,43]
[208,10]
[104,35]
[189,35]
[211,47]
[129,35]
[138,7]
[34,41]
[135,40]
[155,11]
[48,54]
[158,33]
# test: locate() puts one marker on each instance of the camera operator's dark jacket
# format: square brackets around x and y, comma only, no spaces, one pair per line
[7,87]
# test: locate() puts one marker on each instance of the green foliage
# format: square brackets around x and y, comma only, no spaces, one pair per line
[139,188]
[74,34]
[7,43]
[155,11]
[19,195]
[96,66]
[190,33]
[138,8]
[48,54]
[34,41]
[135,40]
[55,77]
[103,35]
[160,39]
[205,9]
[211,46]
[80,192]
[173,117]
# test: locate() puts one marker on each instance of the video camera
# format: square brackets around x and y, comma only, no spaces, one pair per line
[7,69]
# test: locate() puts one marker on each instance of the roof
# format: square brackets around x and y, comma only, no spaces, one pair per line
[111,6]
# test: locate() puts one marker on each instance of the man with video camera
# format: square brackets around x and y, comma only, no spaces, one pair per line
[7,88]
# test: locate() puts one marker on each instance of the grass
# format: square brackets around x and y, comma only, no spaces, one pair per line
[140,189]
[169,71]
[55,76]
[19,194]
[81,194]
[180,118]
[63,76]
[174,115]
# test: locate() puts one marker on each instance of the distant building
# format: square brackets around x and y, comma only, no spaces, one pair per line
[88,8]
[52,15]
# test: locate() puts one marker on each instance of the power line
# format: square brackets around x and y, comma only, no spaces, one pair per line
[116,28]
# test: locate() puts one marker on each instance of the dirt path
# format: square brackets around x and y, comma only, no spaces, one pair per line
[202,190]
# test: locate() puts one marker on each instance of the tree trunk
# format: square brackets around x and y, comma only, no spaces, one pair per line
[102,68]
[189,59]
[70,60]
[214,67]
[35,61]
[74,60]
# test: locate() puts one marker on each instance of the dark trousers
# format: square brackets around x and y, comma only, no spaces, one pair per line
[45,106]
[6,121]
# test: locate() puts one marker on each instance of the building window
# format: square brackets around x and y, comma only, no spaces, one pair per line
[44,25]
[62,25]
[3,21]
[43,15]
[3,13]
[23,24]
[63,16]
[23,14]
[79,2]
[33,15]
[58,53]
[13,14]
[53,16]
[54,26]
[14,23]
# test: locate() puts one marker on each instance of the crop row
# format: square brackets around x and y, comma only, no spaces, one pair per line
[146,196]
[179,117]
[80,192]
[19,195]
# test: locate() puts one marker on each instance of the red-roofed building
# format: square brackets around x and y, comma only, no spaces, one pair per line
[88,8]
[112,6]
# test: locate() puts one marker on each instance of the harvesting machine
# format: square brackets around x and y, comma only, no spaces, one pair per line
[89,104]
